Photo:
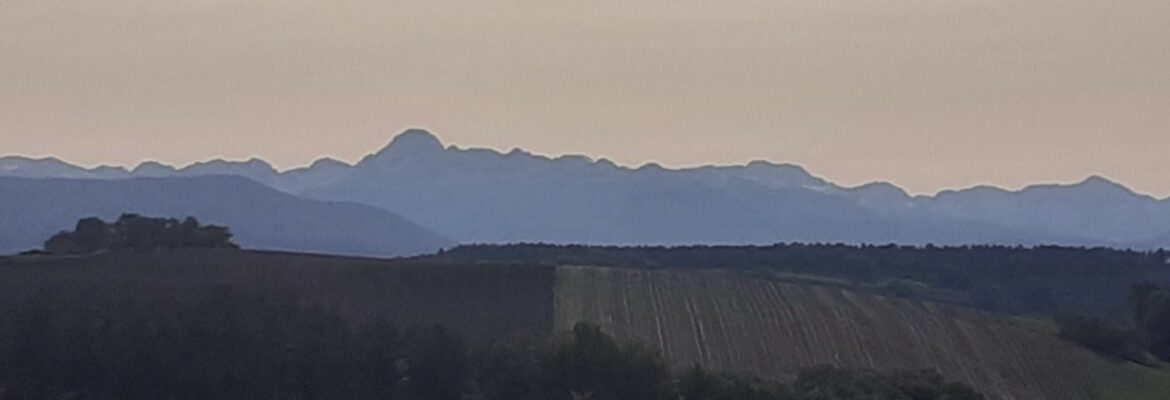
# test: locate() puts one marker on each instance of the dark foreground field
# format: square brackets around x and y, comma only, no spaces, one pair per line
[492,302]
[721,320]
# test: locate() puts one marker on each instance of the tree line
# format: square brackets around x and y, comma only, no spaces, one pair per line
[1147,330]
[133,231]
[225,345]
[1045,280]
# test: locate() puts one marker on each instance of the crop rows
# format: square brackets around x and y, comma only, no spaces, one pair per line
[774,329]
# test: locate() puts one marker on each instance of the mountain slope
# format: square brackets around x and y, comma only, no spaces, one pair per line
[1095,209]
[262,218]
[479,195]
[482,195]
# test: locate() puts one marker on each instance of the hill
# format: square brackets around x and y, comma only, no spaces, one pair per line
[719,319]
[489,196]
[261,217]
[724,321]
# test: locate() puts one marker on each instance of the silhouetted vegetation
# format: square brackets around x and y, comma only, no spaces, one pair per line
[1047,280]
[1100,335]
[831,383]
[1148,329]
[132,231]
[1151,317]
[231,346]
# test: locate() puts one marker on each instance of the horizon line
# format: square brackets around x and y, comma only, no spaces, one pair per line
[649,163]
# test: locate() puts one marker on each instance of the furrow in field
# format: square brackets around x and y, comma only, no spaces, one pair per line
[775,329]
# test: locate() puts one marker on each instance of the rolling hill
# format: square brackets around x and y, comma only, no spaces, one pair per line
[31,210]
[774,329]
[724,321]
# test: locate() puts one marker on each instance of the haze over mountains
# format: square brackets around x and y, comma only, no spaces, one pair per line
[31,210]
[485,196]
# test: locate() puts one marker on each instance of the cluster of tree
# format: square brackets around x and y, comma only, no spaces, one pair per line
[1147,331]
[229,346]
[1046,280]
[132,231]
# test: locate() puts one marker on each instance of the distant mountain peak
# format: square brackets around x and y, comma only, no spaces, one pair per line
[256,161]
[151,168]
[1098,180]
[411,143]
[652,166]
[607,163]
[1098,183]
[329,163]
[1091,184]
[882,187]
[413,140]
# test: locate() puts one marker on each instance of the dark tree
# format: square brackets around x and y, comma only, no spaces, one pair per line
[437,365]
[1151,305]
[133,231]
[587,363]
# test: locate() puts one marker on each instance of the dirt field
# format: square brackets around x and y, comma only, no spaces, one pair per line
[774,329]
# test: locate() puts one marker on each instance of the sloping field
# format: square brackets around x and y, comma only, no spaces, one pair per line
[773,329]
[720,320]
[482,301]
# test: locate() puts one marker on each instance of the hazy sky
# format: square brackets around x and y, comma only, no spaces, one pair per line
[928,94]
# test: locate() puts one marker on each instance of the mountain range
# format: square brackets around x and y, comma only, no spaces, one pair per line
[487,196]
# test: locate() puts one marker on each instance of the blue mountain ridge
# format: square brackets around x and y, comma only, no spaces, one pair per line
[487,196]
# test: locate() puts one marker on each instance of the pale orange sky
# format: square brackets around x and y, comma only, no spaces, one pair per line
[928,94]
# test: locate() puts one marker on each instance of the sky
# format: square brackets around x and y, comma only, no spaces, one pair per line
[928,94]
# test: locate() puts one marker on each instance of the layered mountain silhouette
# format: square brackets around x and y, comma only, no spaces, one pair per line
[487,196]
[31,210]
